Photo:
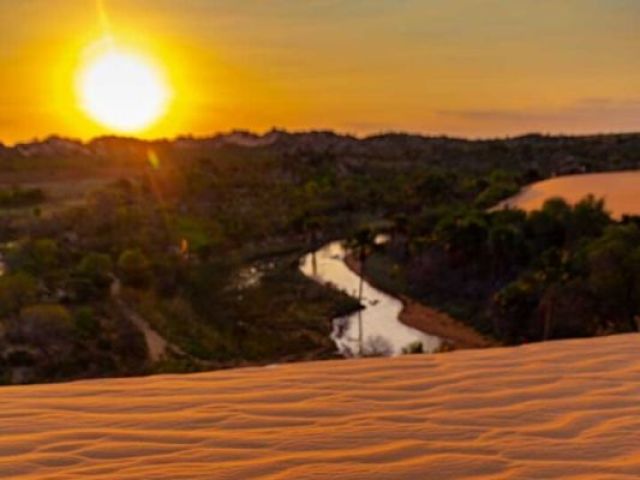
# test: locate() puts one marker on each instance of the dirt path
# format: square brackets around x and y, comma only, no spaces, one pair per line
[431,321]
[157,345]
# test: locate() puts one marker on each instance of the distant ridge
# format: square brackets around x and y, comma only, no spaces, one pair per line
[542,155]
[253,139]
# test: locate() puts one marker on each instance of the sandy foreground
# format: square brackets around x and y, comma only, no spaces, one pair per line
[556,410]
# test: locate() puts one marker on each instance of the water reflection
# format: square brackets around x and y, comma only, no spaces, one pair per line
[382,331]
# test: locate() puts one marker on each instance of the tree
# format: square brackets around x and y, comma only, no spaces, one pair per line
[463,235]
[400,235]
[48,327]
[506,243]
[547,228]
[567,309]
[134,268]
[547,307]
[38,257]
[97,268]
[16,291]
[86,323]
[614,272]
[362,242]
[435,187]
[312,226]
[589,219]
[501,185]
[513,307]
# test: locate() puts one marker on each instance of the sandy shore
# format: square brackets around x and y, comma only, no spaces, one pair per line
[566,410]
[431,321]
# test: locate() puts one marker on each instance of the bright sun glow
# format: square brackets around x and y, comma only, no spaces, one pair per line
[123,91]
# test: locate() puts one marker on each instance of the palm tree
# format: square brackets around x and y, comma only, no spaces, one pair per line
[362,242]
[547,307]
[401,234]
[312,226]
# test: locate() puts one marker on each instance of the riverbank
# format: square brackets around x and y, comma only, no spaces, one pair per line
[429,320]
[376,330]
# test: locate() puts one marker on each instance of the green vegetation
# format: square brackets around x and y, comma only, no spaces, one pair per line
[362,242]
[203,246]
[16,291]
[559,272]
[21,197]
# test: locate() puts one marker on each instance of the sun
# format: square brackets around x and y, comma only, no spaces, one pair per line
[122,90]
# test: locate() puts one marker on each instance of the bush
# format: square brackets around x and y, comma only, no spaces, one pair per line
[93,276]
[16,291]
[21,197]
[413,348]
[135,268]
[36,256]
[86,323]
[49,327]
[97,267]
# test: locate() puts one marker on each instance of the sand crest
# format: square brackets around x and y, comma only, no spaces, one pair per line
[556,410]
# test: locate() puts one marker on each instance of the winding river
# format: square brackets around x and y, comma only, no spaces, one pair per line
[383,332]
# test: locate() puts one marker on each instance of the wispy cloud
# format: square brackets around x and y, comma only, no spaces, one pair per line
[595,114]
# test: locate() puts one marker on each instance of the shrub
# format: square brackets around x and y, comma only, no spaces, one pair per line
[16,291]
[413,348]
[134,267]
[49,327]
[96,267]
[94,275]
[86,322]
[21,197]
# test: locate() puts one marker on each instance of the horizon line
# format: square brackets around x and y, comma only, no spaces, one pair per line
[337,132]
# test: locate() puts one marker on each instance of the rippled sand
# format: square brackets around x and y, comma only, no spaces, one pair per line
[556,410]
[620,190]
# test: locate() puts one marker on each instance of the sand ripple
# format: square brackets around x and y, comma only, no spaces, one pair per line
[557,410]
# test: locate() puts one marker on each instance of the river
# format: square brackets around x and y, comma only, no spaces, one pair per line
[383,332]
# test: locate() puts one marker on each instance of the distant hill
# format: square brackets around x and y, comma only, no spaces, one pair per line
[178,221]
[541,155]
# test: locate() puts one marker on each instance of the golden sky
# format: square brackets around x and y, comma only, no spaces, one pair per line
[462,67]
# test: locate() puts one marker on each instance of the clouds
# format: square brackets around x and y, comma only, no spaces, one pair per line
[584,116]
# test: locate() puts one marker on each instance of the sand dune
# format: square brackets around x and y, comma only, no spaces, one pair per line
[557,410]
[618,189]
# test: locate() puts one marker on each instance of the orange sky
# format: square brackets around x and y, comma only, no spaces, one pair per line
[464,67]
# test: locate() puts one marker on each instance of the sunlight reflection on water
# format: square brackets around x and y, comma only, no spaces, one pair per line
[383,333]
